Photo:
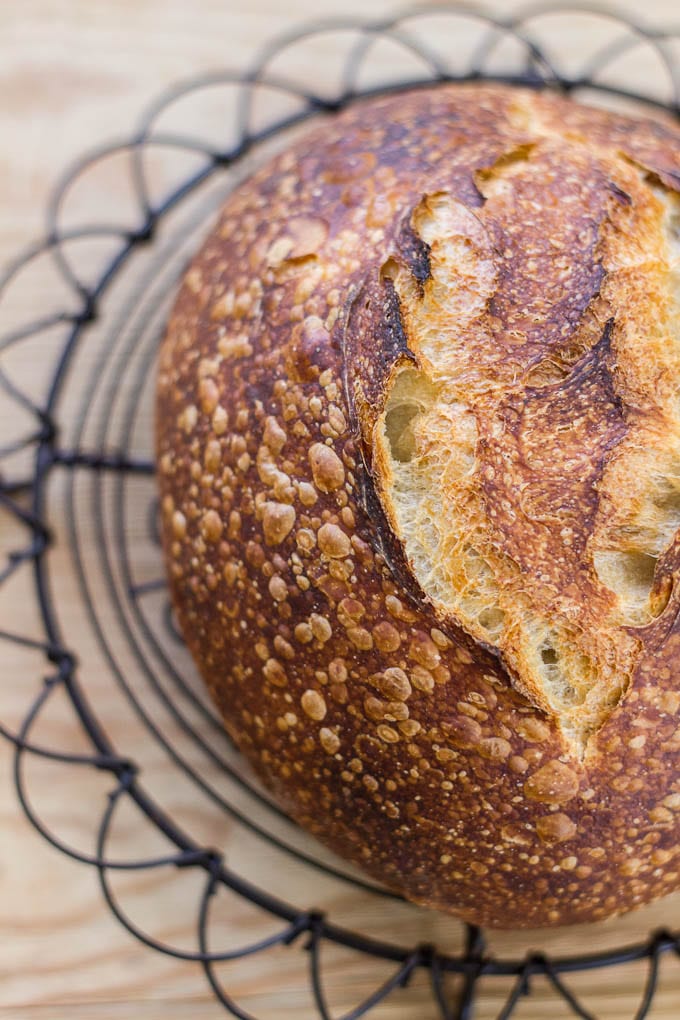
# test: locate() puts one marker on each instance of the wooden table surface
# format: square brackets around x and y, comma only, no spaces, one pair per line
[73,73]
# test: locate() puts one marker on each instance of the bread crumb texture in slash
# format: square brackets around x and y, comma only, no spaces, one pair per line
[419,458]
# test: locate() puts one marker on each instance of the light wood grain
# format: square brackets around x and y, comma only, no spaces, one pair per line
[74,73]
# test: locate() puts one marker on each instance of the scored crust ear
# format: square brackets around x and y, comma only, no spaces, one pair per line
[481,443]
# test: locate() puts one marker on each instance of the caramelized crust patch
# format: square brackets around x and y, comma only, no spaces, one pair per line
[525,452]
[419,472]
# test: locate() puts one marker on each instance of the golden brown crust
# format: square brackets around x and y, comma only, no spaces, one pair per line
[384,721]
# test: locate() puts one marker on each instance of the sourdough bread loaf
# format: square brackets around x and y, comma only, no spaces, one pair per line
[419,458]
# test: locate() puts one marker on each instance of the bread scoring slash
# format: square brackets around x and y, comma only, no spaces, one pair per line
[419,458]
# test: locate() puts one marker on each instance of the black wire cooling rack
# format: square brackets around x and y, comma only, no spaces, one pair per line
[77,480]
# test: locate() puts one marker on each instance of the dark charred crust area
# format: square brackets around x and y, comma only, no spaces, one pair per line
[543,291]
[619,194]
[554,487]
[399,742]
[415,253]
[374,342]
[661,630]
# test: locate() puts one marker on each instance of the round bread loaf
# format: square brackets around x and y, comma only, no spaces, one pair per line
[419,460]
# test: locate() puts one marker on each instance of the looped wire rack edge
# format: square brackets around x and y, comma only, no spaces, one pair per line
[114,460]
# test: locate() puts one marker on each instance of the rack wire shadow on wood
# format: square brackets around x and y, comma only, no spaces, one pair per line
[84,425]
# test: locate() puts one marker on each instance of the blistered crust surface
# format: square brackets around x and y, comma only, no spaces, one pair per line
[384,720]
